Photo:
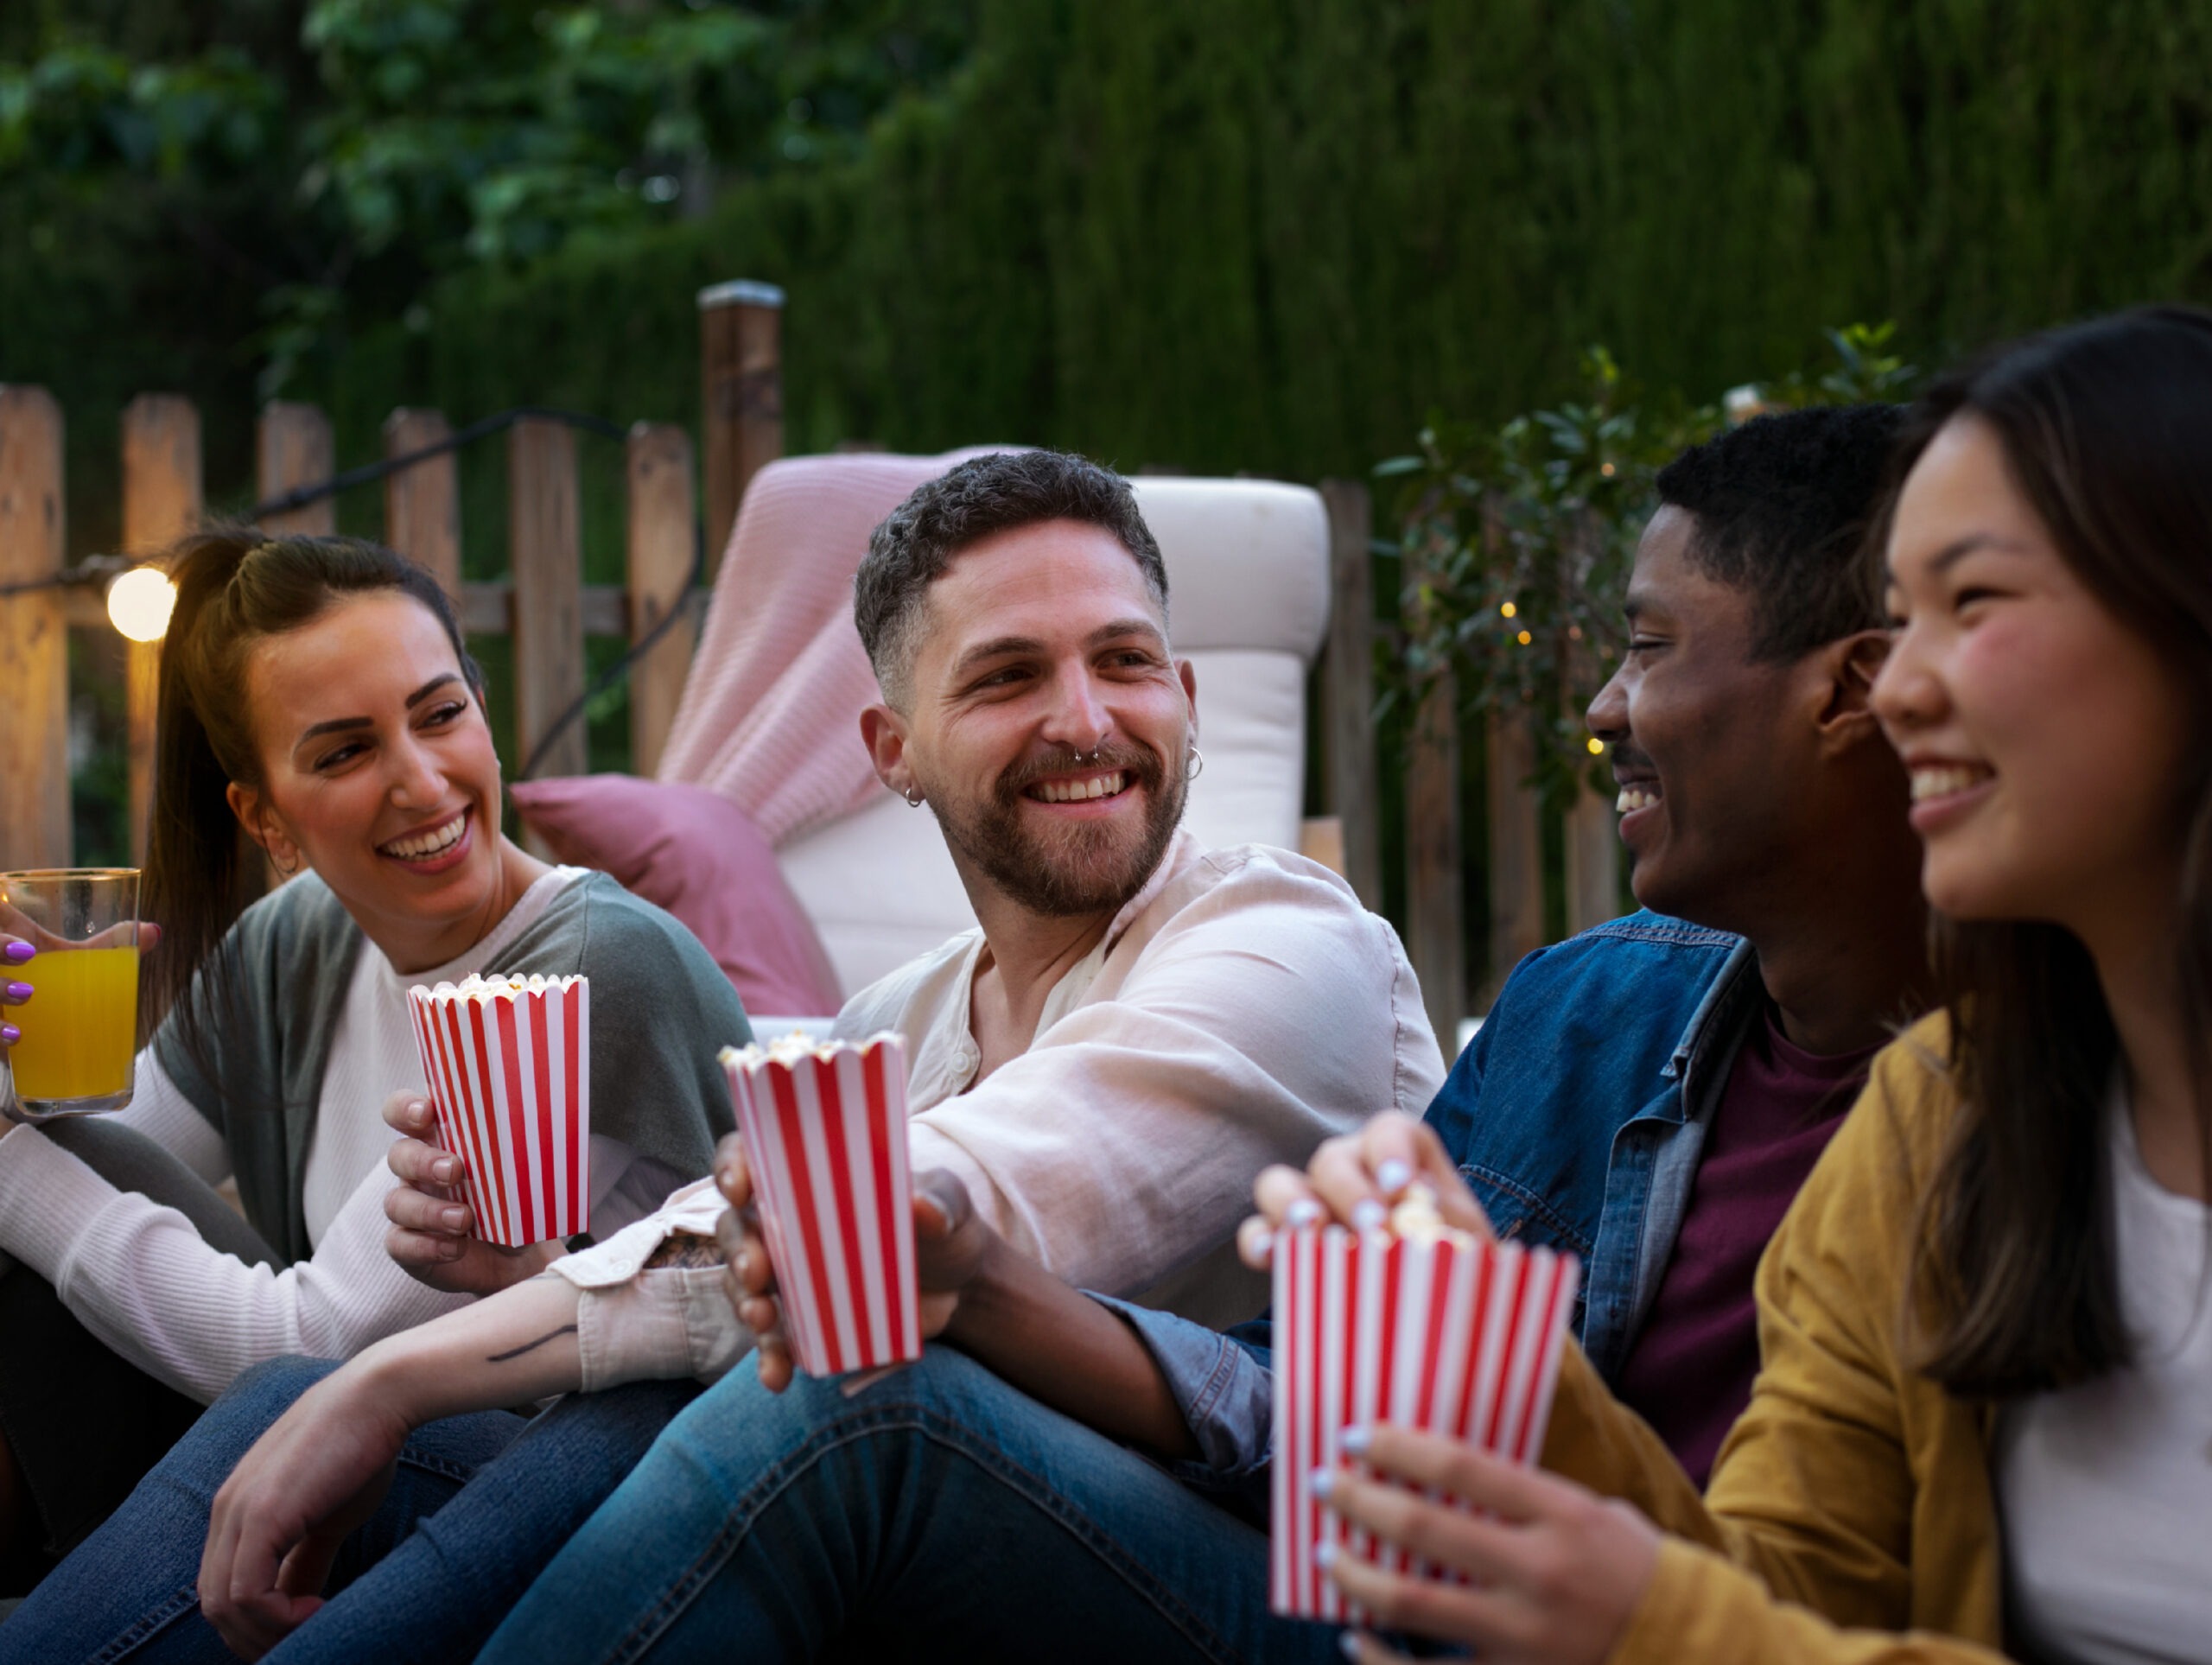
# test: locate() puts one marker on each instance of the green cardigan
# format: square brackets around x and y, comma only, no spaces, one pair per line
[660,1010]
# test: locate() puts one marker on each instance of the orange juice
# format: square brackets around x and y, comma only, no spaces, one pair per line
[80,1029]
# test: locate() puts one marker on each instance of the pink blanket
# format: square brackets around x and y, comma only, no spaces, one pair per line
[770,717]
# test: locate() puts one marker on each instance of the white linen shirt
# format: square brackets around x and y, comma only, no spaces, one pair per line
[1240,1009]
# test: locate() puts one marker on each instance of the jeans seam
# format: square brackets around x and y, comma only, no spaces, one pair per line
[146,1625]
[946,1431]
[1217,1382]
[445,1468]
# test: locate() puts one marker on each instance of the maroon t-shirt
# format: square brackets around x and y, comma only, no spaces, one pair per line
[1689,1373]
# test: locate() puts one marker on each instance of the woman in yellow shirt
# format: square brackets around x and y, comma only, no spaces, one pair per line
[1983,1414]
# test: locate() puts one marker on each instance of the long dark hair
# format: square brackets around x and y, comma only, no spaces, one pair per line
[235,586]
[2106,428]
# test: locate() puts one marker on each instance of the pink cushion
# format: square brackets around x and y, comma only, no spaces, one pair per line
[697,854]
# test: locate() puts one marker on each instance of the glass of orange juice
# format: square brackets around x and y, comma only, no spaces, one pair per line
[80,1040]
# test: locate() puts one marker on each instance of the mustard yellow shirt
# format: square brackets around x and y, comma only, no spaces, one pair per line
[1850,1516]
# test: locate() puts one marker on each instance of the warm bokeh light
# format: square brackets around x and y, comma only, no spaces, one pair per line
[1597,746]
[139,601]
[1507,611]
[1524,639]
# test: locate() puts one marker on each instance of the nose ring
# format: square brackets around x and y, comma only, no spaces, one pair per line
[1091,756]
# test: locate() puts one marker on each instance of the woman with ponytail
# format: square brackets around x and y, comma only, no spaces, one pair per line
[326,832]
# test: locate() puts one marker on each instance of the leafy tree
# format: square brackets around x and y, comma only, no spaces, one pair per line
[337,167]
[1516,542]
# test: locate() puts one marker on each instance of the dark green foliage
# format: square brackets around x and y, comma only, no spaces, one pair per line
[1272,237]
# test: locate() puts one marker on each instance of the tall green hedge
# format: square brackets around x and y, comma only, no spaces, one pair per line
[1273,234]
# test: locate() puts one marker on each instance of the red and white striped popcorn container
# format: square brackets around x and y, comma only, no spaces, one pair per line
[824,1128]
[1443,1332]
[508,1060]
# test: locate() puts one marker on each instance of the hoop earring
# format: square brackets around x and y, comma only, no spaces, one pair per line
[1196,766]
[914,797]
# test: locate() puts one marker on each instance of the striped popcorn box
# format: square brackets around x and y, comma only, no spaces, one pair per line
[509,1063]
[825,1134]
[1428,1328]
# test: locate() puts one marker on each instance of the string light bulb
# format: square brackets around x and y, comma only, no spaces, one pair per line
[139,603]
[1597,746]
[1524,639]
[1507,611]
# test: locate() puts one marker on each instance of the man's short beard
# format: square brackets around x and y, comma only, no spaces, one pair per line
[1089,872]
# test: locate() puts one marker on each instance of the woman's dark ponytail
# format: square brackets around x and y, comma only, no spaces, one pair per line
[201,869]
[234,587]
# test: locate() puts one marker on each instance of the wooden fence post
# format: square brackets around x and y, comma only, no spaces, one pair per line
[292,448]
[1348,687]
[662,534]
[1435,899]
[545,551]
[161,501]
[1516,845]
[422,504]
[741,384]
[33,638]
[1593,862]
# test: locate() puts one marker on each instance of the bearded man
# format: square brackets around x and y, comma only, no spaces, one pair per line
[1135,1028]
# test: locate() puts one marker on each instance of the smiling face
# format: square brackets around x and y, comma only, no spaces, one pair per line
[1715,778]
[377,771]
[1039,647]
[2045,741]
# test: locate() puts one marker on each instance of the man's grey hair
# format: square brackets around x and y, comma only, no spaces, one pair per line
[917,540]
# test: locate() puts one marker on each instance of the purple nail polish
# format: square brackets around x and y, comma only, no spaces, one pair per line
[20,991]
[16,952]
[9,1034]
[1354,1440]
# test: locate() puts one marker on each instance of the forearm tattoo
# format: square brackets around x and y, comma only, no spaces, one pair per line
[685,1248]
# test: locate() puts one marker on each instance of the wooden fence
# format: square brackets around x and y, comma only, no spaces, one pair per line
[547,610]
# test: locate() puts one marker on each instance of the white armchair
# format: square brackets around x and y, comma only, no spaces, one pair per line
[1247,569]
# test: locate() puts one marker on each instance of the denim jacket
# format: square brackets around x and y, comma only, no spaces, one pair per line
[1577,1115]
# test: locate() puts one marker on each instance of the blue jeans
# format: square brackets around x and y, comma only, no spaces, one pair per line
[478,1505]
[936,1511]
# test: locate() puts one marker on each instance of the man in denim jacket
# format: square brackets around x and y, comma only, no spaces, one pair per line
[1648,1094]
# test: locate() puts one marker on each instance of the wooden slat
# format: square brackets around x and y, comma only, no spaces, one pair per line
[422,504]
[1593,862]
[161,501]
[488,609]
[1435,899]
[293,448]
[1516,848]
[742,386]
[1321,838]
[661,544]
[33,641]
[545,551]
[1348,688]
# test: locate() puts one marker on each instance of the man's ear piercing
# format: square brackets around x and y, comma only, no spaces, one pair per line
[914,797]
